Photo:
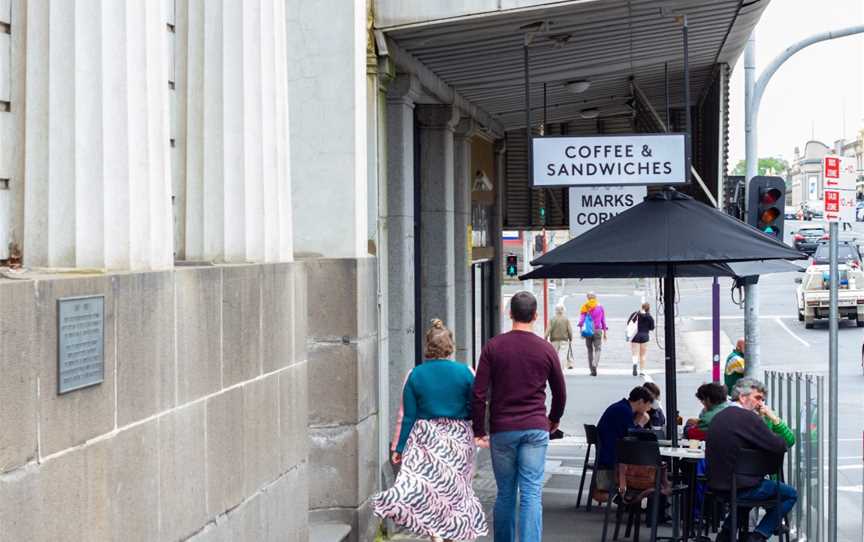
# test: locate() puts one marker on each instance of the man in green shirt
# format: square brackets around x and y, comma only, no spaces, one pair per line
[735,366]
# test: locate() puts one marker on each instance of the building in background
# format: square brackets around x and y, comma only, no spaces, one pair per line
[273,199]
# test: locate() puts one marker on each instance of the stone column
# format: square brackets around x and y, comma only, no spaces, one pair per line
[97,152]
[496,233]
[463,326]
[401,220]
[436,216]
[328,85]
[238,184]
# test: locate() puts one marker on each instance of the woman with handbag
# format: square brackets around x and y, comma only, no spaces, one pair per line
[639,326]
[560,334]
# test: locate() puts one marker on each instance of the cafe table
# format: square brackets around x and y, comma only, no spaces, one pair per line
[685,454]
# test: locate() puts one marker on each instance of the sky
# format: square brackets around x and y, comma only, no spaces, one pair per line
[818,93]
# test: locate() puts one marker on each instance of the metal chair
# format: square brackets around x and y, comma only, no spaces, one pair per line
[591,438]
[753,463]
[637,453]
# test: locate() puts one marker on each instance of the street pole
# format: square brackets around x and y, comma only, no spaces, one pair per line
[833,324]
[715,330]
[751,291]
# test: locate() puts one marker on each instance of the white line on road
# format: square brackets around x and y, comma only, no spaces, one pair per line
[789,331]
[741,317]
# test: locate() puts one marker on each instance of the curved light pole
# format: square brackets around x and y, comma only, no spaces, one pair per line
[753,96]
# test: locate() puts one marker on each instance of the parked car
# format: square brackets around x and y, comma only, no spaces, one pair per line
[859,211]
[790,214]
[847,253]
[807,239]
[812,295]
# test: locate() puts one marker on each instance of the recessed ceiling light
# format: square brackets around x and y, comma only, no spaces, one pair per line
[589,113]
[577,87]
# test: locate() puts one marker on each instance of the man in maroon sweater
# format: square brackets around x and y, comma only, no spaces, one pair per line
[517,365]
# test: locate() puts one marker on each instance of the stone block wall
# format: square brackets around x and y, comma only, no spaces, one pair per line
[343,392]
[199,430]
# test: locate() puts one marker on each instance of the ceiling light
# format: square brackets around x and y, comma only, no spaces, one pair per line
[590,113]
[577,87]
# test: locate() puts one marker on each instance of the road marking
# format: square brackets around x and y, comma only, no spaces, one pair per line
[741,317]
[851,489]
[789,331]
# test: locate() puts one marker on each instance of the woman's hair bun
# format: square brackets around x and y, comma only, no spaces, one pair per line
[437,323]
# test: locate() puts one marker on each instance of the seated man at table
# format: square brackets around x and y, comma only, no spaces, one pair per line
[656,419]
[714,399]
[615,424]
[741,426]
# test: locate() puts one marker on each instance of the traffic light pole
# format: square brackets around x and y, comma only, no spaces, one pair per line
[753,90]
[751,291]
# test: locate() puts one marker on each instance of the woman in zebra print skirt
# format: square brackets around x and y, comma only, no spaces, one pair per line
[432,495]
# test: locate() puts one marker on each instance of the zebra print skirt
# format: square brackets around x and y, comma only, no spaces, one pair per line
[432,495]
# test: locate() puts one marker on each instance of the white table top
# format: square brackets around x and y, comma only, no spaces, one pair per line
[682,452]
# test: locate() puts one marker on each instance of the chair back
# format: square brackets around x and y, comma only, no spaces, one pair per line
[591,434]
[638,464]
[631,451]
[758,463]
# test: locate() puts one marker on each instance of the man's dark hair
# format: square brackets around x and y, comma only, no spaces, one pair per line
[523,307]
[639,393]
[712,392]
[653,388]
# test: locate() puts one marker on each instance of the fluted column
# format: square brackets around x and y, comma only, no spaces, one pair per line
[238,188]
[97,164]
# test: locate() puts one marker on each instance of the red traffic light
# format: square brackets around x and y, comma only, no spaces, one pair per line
[769,197]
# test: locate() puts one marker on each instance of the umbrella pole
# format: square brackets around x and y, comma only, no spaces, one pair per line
[669,328]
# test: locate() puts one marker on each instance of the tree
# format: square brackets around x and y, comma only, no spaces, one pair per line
[767,166]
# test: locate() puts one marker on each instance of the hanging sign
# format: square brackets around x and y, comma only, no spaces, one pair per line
[839,188]
[594,205]
[641,159]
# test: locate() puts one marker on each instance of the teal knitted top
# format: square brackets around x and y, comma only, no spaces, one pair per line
[439,388]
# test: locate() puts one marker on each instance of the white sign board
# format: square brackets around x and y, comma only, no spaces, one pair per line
[839,188]
[590,206]
[643,159]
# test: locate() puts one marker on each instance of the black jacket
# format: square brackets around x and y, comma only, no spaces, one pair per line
[732,429]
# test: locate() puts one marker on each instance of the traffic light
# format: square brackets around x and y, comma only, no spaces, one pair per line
[511,266]
[766,205]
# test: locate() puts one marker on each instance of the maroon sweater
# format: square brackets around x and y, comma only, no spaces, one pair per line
[517,366]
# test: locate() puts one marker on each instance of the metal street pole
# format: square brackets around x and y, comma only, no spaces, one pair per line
[751,291]
[833,324]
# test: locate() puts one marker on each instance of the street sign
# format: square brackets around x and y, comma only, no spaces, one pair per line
[591,206]
[839,188]
[641,159]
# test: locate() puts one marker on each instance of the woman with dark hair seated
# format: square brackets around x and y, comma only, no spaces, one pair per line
[714,399]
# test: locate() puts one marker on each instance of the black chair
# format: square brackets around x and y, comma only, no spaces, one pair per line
[753,463]
[591,438]
[637,453]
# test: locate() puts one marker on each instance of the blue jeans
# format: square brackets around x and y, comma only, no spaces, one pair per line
[518,459]
[768,489]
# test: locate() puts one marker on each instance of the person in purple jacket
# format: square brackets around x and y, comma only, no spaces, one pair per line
[593,341]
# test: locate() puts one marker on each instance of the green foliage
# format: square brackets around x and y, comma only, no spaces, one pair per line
[772,166]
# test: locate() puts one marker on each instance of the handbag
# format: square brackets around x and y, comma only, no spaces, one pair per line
[588,326]
[632,327]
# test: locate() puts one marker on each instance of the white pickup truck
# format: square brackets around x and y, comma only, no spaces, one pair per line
[812,294]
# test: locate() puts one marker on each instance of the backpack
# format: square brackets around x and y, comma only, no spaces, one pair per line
[588,326]
[632,327]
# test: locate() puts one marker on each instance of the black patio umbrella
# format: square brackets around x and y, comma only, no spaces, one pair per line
[668,235]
